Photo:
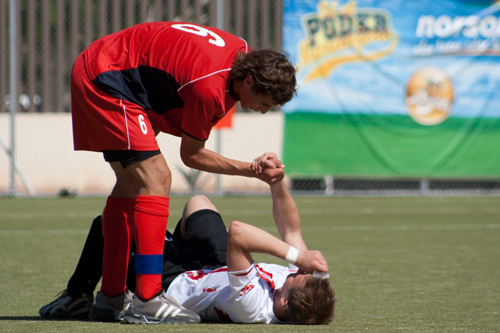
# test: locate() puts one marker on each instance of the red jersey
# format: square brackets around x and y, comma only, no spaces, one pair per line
[177,72]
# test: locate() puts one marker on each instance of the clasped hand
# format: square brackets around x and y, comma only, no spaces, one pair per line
[268,168]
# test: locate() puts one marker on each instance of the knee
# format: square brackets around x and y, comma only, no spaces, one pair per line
[195,203]
[198,202]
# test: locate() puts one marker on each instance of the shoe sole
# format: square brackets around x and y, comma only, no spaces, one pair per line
[140,319]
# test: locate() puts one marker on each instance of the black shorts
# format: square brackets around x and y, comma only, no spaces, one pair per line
[204,246]
[128,157]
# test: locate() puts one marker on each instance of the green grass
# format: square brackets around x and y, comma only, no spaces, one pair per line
[397,264]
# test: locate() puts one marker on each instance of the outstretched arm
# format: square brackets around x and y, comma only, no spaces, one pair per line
[285,212]
[286,216]
[196,156]
[244,239]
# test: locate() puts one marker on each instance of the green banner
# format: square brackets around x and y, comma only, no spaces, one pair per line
[404,88]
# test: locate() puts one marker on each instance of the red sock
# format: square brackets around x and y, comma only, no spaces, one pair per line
[118,221]
[151,217]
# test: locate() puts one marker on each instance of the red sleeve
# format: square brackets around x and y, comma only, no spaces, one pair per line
[203,106]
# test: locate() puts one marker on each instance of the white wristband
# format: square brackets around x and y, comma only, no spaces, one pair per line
[292,255]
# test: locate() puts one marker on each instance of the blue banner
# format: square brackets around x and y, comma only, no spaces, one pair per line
[394,70]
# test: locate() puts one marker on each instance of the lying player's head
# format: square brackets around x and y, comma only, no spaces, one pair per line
[273,74]
[313,303]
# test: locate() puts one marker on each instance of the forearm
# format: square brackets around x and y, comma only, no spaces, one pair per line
[286,216]
[196,156]
[244,239]
[206,160]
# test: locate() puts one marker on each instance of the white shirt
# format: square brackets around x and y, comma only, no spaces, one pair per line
[237,297]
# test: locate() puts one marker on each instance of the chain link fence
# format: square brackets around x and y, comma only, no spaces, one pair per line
[51,33]
[342,186]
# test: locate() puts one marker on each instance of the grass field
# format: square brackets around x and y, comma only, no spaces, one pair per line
[397,264]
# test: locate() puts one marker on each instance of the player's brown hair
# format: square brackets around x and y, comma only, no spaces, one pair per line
[312,304]
[273,74]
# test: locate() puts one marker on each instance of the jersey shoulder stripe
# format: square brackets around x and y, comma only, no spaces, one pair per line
[216,72]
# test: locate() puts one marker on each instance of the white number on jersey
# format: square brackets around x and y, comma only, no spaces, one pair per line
[200,31]
[144,127]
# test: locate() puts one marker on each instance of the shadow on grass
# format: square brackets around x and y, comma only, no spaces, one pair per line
[87,320]
[38,318]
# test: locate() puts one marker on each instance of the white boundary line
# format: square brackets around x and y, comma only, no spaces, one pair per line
[363,228]
[427,227]
[43,232]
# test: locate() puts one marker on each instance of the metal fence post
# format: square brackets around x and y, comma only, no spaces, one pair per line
[13,91]
[220,25]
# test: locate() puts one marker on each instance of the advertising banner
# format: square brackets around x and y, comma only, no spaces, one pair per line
[393,88]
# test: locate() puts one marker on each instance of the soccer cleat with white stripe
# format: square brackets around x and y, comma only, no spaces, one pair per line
[66,306]
[161,309]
